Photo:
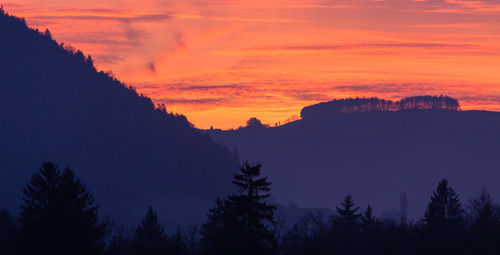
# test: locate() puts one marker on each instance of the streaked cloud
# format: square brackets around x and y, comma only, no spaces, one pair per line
[198,101]
[222,61]
[105,16]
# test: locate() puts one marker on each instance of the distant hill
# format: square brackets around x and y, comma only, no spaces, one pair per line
[353,105]
[55,106]
[375,155]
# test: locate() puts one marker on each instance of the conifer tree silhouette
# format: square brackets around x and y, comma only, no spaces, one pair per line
[150,237]
[120,243]
[348,215]
[444,211]
[240,224]
[346,227]
[217,232]
[485,226]
[58,215]
[252,212]
[484,212]
[367,218]
[443,221]
[176,244]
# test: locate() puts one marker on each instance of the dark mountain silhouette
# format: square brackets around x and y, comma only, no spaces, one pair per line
[375,155]
[55,106]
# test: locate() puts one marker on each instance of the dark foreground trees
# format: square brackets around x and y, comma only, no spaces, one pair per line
[8,233]
[446,228]
[149,238]
[58,215]
[484,230]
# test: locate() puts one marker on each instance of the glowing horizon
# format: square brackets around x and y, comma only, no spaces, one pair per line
[222,62]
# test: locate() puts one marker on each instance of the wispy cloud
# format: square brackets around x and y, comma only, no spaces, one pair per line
[196,101]
[105,16]
[235,19]
[357,46]
[212,87]
[221,61]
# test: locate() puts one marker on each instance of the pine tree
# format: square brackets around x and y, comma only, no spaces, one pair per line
[240,224]
[368,238]
[444,211]
[251,210]
[346,227]
[485,228]
[218,233]
[484,213]
[120,243]
[348,215]
[59,216]
[214,238]
[367,217]
[443,222]
[177,244]
[150,237]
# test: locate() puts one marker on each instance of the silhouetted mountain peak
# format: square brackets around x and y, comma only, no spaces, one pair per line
[55,106]
[353,105]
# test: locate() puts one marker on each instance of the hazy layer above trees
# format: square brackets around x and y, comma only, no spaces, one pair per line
[54,105]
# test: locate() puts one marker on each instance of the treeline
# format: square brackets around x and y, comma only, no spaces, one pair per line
[36,43]
[352,105]
[59,216]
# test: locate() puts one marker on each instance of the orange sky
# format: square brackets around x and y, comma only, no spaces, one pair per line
[220,62]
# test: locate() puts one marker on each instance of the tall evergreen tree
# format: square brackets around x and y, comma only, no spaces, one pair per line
[240,224]
[348,215]
[443,222]
[444,211]
[346,227]
[120,243]
[150,237]
[367,217]
[216,234]
[58,215]
[484,231]
[484,212]
[176,244]
[252,211]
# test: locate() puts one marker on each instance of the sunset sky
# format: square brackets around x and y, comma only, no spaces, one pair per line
[220,62]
